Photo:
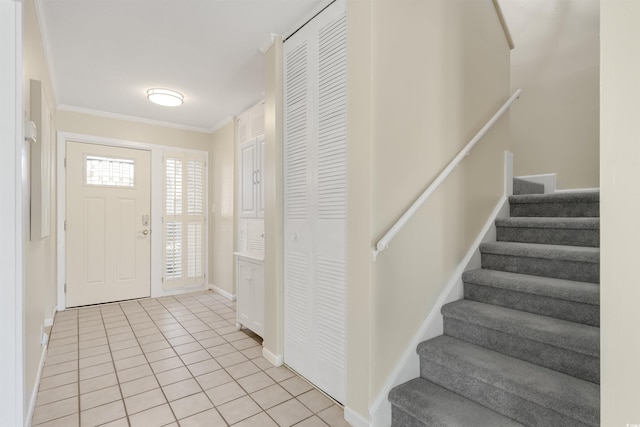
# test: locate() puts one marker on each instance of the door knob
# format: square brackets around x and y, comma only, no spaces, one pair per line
[144,232]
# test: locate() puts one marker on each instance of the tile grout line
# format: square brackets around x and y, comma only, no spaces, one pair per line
[221,367]
[240,385]
[168,306]
[186,366]
[115,371]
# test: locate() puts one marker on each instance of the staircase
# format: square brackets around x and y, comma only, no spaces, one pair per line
[523,346]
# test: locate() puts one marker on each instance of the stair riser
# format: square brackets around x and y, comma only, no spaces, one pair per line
[586,314]
[399,418]
[498,399]
[521,186]
[549,236]
[559,359]
[560,269]
[555,209]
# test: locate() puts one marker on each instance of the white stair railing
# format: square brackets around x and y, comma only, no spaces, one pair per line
[383,243]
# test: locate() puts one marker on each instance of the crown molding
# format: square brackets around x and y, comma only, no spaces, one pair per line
[134,119]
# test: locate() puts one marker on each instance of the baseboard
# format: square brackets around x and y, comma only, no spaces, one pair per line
[275,359]
[180,291]
[354,418]
[49,322]
[222,292]
[578,190]
[408,366]
[547,179]
[36,386]
[508,173]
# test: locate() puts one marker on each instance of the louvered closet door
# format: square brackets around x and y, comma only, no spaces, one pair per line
[315,201]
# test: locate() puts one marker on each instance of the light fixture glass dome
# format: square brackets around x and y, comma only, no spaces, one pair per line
[166,97]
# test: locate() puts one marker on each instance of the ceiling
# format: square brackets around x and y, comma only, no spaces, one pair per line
[103,55]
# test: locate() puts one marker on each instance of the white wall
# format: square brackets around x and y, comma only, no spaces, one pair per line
[273,212]
[454,77]
[87,124]
[619,207]
[221,223]
[555,124]
[40,255]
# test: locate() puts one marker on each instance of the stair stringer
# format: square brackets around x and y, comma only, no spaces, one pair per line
[408,367]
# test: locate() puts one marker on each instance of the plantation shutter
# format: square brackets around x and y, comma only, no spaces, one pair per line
[184,219]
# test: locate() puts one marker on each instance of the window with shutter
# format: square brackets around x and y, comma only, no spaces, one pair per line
[184,219]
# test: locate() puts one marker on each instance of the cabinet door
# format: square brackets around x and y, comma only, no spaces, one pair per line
[247,177]
[242,127]
[250,290]
[260,176]
[245,275]
[256,323]
[256,120]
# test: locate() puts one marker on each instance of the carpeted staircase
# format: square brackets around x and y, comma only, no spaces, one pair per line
[523,346]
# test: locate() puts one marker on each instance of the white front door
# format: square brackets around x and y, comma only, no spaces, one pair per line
[108,224]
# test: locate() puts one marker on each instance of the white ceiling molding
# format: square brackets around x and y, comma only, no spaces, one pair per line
[134,119]
[103,55]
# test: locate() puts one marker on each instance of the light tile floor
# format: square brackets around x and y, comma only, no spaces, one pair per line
[171,361]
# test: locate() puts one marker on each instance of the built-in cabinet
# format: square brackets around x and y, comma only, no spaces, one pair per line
[251,164]
[250,297]
[315,200]
[250,231]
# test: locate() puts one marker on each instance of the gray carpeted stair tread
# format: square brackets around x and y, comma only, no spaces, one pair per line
[559,197]
[559,261]
[496,378]
[575,223]
[537,250]
[566,204]
[428,404]
[569,290]
[555,230]
[559,333]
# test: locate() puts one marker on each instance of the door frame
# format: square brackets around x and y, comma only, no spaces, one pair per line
[156,151]
[12,218]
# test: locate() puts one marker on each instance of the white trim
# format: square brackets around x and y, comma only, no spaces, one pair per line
[11,218]
[219,290]
[503,24]
[577,190]
[508,173]
[36,386]
[157,150]
[180,291]
[547,179]
[275,359]
[306,18]
[408,367]
[221,124]
[109,115]
[48,58]
[48,322]
[355,419]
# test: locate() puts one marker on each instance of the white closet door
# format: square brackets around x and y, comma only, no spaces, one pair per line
[315,201]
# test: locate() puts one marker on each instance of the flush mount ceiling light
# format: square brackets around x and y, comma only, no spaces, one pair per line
[166,97]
